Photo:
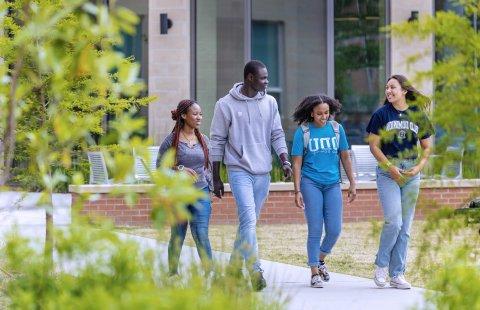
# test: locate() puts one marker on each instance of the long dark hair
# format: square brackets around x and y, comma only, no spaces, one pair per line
[182,108]
[413,96]
[303,112]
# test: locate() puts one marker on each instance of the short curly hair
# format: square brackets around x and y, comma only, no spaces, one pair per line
[303,112]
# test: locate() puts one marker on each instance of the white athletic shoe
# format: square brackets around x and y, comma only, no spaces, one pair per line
[400,282]
[380,277]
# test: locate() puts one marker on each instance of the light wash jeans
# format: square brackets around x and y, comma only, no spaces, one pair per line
[199,227]
[250,192]
[398,204]
[323,205]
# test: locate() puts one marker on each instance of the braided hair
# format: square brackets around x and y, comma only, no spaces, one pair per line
[303,112]
[182,108]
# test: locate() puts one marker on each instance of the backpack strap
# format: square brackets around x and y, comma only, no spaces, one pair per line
[306,137]
[336,130]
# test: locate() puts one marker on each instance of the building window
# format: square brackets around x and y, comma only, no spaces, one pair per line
[360,62]
[267,38]
[290,38]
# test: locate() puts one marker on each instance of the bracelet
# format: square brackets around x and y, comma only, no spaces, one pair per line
[387,165]
[287,163]
[296,192]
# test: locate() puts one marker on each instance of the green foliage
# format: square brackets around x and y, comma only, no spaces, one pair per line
[449,259]
[276,174]
[96,269]
[63,53]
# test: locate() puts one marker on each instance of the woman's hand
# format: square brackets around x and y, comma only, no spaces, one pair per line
[352,193]
[191,173]
[412,171]
[299,200]
[397,174]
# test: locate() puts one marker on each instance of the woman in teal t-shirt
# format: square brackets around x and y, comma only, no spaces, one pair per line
[316,177]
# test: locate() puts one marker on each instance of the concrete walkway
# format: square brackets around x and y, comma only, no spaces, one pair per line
[290,282]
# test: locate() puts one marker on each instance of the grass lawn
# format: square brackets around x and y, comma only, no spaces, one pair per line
[353,254]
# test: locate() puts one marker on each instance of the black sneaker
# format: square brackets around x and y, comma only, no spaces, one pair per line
[322,270]
[258,281]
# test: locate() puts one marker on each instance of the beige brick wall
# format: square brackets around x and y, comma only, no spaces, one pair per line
[401,49]
[169,64]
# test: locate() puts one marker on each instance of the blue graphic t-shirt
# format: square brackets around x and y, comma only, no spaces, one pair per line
[400,130]
[321,161]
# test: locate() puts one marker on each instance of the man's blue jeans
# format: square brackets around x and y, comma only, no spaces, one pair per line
[398,204]
[199,227]
[323,204]
[250,192]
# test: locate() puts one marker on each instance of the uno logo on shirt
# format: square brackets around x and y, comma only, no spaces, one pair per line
[323,145]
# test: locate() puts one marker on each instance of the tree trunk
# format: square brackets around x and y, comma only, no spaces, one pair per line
[49,240]
[10,133]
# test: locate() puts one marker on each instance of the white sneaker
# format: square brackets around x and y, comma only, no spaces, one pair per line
[400,282]
[316,281]
[380,277]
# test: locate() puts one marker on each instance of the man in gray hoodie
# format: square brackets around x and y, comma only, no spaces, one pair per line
[245,127]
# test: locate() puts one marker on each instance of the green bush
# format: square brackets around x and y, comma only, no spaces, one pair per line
[95,269]
[456,285]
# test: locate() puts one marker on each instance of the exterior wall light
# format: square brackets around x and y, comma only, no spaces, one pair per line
[165,23]
[413,16]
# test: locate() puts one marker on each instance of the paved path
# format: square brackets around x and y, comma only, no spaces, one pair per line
[291,282]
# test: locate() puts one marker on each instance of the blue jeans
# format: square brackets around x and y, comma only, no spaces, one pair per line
[398,204]
[323,205]
[200,217]
[250,192]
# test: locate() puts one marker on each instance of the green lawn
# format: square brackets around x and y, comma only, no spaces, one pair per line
[353,254]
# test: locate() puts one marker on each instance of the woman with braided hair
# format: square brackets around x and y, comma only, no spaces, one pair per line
[191,156]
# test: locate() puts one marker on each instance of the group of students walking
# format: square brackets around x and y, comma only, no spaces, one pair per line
[246,126]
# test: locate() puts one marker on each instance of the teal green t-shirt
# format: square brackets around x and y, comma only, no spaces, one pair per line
[321,160]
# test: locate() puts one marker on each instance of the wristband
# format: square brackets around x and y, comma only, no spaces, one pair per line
[180,167]
[287,163]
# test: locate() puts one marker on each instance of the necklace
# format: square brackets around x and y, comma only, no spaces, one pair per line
[190,143]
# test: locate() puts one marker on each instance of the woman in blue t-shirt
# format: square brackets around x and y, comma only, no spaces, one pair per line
[394,131]
[318,145]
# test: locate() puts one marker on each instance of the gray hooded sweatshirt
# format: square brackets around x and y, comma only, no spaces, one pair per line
[244,130]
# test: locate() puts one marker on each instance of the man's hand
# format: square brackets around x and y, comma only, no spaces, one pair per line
[286,166]
[218,189]
[287,170]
